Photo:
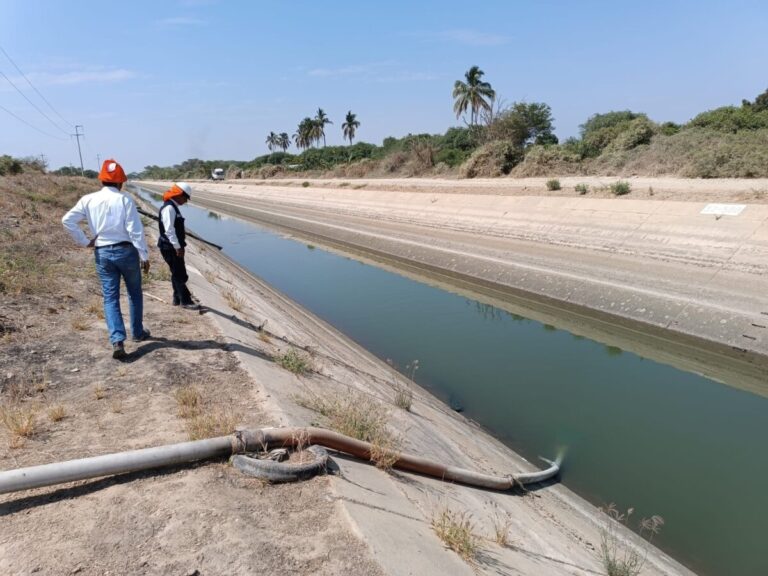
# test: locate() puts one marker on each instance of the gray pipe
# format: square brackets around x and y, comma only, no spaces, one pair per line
[110,464]
[249,441]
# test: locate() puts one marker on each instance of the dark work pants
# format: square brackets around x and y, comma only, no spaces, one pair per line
[179,276]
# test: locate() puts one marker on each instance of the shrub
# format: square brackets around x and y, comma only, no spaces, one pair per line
[269,171]
[305,184]
[553,184]
[638,131]
[581,188]
[492,159]
[732,119]
[545,160]
[620,188]
[10,166]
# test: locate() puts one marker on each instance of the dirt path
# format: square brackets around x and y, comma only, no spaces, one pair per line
[642,188]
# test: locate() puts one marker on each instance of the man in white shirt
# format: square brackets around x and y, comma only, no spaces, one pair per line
[120,251]
[172,241]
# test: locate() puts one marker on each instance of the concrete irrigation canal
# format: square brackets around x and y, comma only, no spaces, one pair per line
[670,424]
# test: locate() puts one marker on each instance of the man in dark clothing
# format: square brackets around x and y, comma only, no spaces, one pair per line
[172,241]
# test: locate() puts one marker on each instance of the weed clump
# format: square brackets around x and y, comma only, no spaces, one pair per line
[355,415]
[189,401]
[294,361]
[619,557]
[217,422]
[235,302]
[581,188]
[553,185]
[620,188]
[457,531]
[57,413]
[20,422]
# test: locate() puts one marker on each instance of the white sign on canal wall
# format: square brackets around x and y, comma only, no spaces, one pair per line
[724,209]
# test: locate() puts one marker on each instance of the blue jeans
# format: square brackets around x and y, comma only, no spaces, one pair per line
[113,263]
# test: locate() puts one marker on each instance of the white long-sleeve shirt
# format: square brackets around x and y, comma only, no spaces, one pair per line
[112,218]
[168,215]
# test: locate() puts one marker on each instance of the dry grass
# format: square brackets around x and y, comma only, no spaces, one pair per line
[457,531]
[99,392]
[57,413]
[384,457]
[159,272]
[403,396]
[31,262]
[20,422]
[210,276]
[501,525]
[216,422]
[358,416]
[619,556]
[26,386]
[294,361]
[233,300]
[80,323]
[96,308]
[189,402]
[264,337]
[116,407]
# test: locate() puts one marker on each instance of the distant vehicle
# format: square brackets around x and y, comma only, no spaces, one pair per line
[217,174]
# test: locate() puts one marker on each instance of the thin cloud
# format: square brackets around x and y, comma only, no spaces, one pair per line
[352,70]
[73,77]
[407,77]
[465,37]
[180,21]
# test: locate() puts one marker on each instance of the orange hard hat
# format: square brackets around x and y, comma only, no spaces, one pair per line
[112,172]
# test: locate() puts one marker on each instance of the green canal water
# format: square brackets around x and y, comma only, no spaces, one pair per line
[636,432]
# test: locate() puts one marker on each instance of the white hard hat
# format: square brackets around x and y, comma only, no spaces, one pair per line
[186,188]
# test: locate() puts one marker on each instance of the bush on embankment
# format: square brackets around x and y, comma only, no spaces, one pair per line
[519,140]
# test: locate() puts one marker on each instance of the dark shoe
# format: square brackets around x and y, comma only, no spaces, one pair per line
[143,337]
[118,351]
[191,306]
[175,302]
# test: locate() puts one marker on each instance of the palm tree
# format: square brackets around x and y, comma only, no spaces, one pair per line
[321,119]
[304,135]
[284,141]
[351,124]
[473,94]
[272,141]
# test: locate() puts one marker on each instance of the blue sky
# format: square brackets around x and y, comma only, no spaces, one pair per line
[159,82]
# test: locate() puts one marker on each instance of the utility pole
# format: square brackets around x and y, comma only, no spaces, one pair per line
[98,162]
[77,135]
[43,162]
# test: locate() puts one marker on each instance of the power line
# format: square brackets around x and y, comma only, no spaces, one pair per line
[43,98]
[35,106]
[30,125]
